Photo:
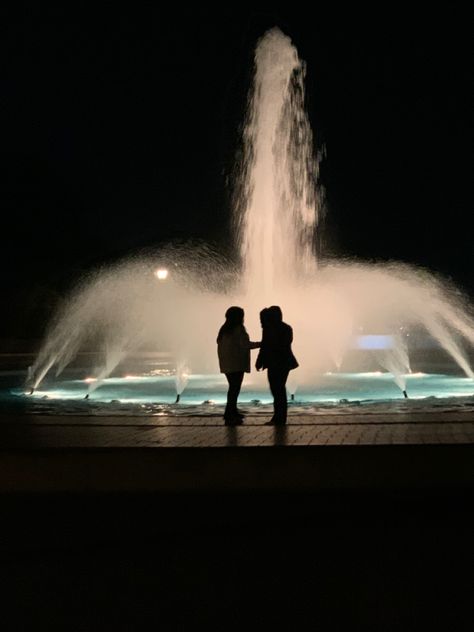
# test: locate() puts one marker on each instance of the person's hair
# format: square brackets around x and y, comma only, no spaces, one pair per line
[264,316]
[274,314]
[234,317]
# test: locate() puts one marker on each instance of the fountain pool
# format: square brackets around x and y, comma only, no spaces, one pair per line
[153,392]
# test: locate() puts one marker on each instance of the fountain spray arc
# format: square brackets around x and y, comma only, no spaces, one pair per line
[278,204]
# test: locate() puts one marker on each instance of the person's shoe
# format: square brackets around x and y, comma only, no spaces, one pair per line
[238,414]
[275,422]
[233,421]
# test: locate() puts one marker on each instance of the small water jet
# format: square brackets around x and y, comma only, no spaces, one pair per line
[174,302]
[181,379]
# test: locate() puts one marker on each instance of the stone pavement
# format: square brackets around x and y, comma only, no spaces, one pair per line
[73,431]
[160,453]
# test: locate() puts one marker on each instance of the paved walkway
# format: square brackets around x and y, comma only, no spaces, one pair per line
[199,454]
[38,432]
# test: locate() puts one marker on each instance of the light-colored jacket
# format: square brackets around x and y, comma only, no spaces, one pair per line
[233,350]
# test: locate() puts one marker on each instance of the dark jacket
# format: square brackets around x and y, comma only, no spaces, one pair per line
[275,352]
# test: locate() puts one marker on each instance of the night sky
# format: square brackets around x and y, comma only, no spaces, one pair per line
[119,129]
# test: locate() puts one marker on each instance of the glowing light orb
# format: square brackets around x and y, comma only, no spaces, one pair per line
[161,274]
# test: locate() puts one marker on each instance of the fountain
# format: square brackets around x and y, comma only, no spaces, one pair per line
[341,311]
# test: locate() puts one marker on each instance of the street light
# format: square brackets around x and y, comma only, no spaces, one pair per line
[161,274]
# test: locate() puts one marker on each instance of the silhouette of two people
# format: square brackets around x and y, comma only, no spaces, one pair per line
[277,357]
[233,349]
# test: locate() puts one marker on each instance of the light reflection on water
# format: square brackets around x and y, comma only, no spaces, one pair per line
[206,394]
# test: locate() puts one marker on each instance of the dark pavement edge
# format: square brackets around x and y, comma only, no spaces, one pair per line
[238,469]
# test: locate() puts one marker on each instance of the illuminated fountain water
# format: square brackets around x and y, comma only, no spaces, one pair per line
[334,307]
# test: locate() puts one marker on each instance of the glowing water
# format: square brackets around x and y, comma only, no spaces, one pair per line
[338,393]
[131,306]
[279,205]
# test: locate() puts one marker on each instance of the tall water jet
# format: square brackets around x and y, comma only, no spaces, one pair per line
[279,204]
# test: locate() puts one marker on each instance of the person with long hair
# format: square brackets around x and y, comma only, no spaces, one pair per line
[233,350]
[277,357]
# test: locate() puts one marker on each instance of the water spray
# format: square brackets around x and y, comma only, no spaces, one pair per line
[29,380]
[181,379]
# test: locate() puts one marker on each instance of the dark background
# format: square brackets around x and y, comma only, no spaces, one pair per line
[119,130]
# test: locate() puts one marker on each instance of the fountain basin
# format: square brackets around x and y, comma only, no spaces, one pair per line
[145,394]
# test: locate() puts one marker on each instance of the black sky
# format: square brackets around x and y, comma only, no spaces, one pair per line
[119,129]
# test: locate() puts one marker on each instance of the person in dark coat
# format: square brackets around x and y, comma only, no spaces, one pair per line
[233,350]
[277,357]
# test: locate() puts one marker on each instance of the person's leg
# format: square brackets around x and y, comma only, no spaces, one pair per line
[235,382]
[277,380]
[239,377]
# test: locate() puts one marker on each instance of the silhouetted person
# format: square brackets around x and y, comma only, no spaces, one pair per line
[233,350]
[277,357]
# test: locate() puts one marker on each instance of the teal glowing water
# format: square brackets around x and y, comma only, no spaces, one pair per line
[206,394]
